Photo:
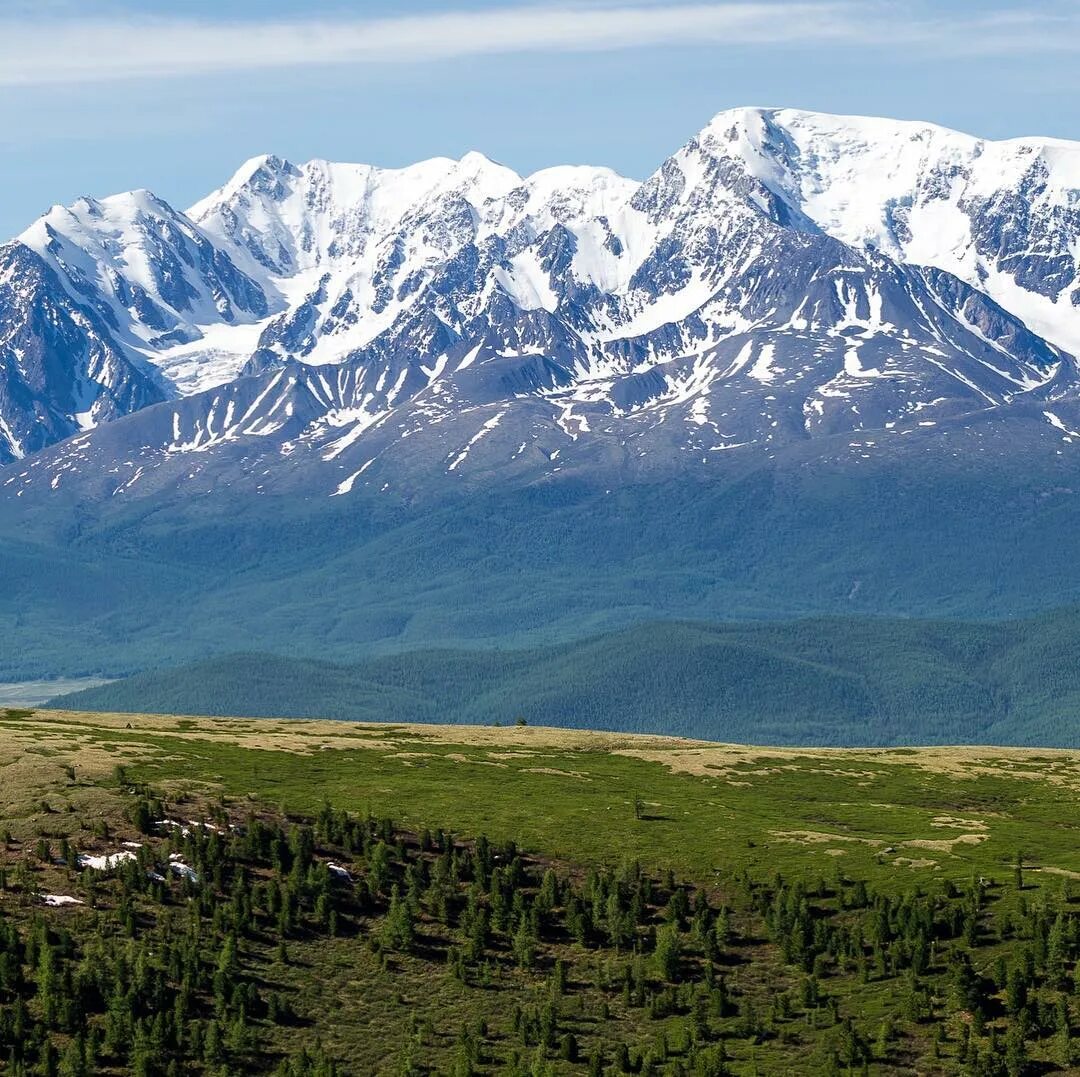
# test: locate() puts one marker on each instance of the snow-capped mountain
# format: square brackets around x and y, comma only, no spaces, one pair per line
[1003,216]
[784,276]
[811,364]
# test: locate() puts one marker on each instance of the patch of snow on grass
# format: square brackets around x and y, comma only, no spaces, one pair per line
[106,862]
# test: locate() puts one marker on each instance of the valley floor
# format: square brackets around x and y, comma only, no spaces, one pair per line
[34,693]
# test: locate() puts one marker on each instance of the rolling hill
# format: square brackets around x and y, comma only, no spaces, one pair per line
[840,681]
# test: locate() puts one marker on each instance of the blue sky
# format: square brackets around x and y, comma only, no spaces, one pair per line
[98,95]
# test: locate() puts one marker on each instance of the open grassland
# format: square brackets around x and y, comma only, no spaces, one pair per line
[306,898]
[895,816]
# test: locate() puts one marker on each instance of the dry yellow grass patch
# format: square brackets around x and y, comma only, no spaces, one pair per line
[29,752]
[310,734]
[732,762]
[558,773]
[535,738]
[1057,766]
[292,735]
[957,823]
[723,760]
[459,757]
[36,792]
[1064,872]
[820,837]
[944,845]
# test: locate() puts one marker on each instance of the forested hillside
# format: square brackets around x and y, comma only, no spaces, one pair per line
[174,931]
[109,588]
[820,681]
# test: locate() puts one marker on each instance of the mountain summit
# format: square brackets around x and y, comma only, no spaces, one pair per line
[784,275]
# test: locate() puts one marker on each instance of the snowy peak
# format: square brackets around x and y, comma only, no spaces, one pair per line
[152,279]
[136,253]
[290,218]
[1004,216]
[352,250]
[783,275]
[60,370]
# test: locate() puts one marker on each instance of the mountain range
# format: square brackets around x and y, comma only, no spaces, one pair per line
[783,276]
[812,364]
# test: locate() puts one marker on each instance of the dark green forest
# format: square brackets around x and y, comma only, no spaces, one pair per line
[113,588]
[823,681]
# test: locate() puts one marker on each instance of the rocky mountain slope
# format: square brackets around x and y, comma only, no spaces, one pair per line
[783,276]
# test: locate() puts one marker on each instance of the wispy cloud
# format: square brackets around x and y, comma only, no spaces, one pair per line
[36,50]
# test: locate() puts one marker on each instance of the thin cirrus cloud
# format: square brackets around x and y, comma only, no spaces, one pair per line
[40,51]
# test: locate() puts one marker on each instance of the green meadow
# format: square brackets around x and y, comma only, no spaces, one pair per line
[678,907]
[901,817]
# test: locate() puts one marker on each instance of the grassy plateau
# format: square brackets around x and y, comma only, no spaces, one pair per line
[951,811]
[901,910]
